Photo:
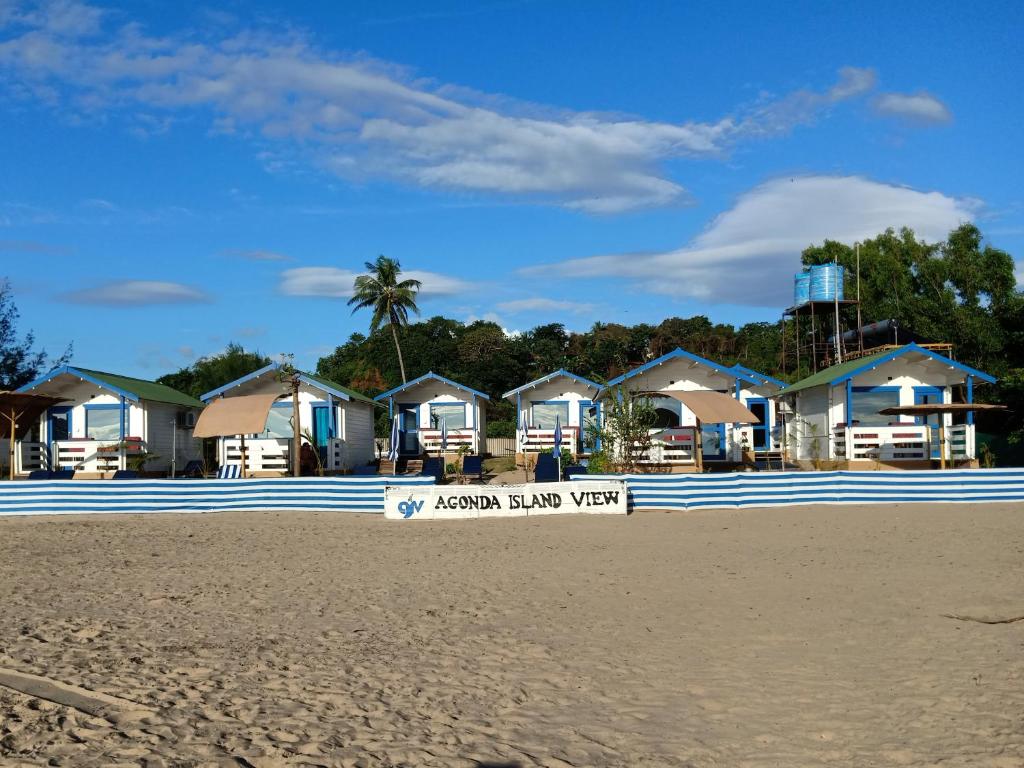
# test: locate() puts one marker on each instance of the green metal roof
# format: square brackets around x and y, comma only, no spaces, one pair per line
[335,385]
[145,390]
[828,375]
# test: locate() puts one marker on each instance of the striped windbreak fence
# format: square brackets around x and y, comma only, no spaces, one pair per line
[761,489]
[330,494]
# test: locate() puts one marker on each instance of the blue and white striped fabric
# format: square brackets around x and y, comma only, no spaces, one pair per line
[395,436]
[329,494]
[762,489]
[229,472]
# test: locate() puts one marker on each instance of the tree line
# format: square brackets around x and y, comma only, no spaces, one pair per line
[960,290]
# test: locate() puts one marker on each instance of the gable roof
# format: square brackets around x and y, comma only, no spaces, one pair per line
[561,372]
[430,375]
[766,379]
[126,386]
[839,373]
[331,387]
[683,354]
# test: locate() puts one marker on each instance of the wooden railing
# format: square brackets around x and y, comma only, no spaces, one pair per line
[430,439]
[903,442]
[102,456]
[31,457]
[672,446]
[538,440]
[263,455]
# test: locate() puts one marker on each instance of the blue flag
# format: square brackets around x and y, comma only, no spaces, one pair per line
[444,434]
[558,434]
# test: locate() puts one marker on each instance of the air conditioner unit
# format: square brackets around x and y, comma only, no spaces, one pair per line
[186,419]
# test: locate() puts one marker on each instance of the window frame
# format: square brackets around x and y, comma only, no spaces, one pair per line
[561,403]
[90,408]
[454,404]
[854,391]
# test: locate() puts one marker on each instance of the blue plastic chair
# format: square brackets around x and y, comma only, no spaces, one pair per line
[125,474]
[193,469]
[473,466]
[364,469]
[546,470]
[62,474]
[39,474]
[575,469]
[229,472]
[434,466]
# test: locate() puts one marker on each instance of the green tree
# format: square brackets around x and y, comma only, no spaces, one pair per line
[390,299]
[19,362]
[208,373]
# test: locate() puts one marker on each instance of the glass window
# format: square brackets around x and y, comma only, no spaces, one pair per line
[279,423]
[866,407]
[454,415]
[544,415]
[667,412]
[103,423]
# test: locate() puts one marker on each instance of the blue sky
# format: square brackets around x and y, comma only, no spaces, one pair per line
[176,178]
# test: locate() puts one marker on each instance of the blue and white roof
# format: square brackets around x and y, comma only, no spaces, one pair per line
[426,378]
[561,373]
[317,382]
[682,354]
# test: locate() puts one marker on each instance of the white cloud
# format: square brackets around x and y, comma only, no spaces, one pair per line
[748,254]
[545,305]
[358,117]
[920,107]
[137,293]
[333,282]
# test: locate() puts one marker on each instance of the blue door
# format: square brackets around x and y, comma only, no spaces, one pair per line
[323,428]
[590,420]
[58,427]
[762,430]
[409,429]
[929,395]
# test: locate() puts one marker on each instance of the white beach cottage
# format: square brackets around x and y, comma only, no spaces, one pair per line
[678,371]
[106,423]
[339,420]
[836,419]
[570,398]
[423,403]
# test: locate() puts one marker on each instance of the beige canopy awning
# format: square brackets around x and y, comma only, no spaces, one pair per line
[712,407]
[229,416]
[21,411]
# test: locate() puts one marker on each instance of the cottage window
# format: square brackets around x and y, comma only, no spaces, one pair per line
[279,422]
[103,423]
[544,415]
[454,415]
[868,402]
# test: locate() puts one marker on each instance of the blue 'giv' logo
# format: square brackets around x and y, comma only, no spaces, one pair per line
[409,508]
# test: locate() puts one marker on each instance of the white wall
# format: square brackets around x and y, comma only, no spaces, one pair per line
[560,389]
[161,425]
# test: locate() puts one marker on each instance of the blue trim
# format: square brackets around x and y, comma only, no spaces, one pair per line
[70,371]
[765,426]
[124,416]
[549,377]
[738,389]
[551,402]
[758,375]
[584,406]
[519,411]
[66,409]
[402,431]
[970,397]
[303,377]
[102,407]
[729,372]
[921,392]
[432,376]
[848,414]
[921,350]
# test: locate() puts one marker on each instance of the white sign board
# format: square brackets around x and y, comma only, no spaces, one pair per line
[460,502]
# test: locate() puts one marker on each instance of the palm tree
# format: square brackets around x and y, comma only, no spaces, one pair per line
[391,300]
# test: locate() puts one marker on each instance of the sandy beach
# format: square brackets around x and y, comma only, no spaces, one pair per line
[776,637]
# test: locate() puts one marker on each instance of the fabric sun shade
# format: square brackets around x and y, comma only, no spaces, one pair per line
[24,410]
[712,407]
[229,416]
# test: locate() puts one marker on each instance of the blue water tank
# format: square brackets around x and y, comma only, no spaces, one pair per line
[801,288]
[827,282]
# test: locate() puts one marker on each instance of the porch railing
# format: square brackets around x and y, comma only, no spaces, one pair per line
[99,456]
[903,442]
[430,439]
[538,440]
[30,457]
[261,455]
[671,446]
